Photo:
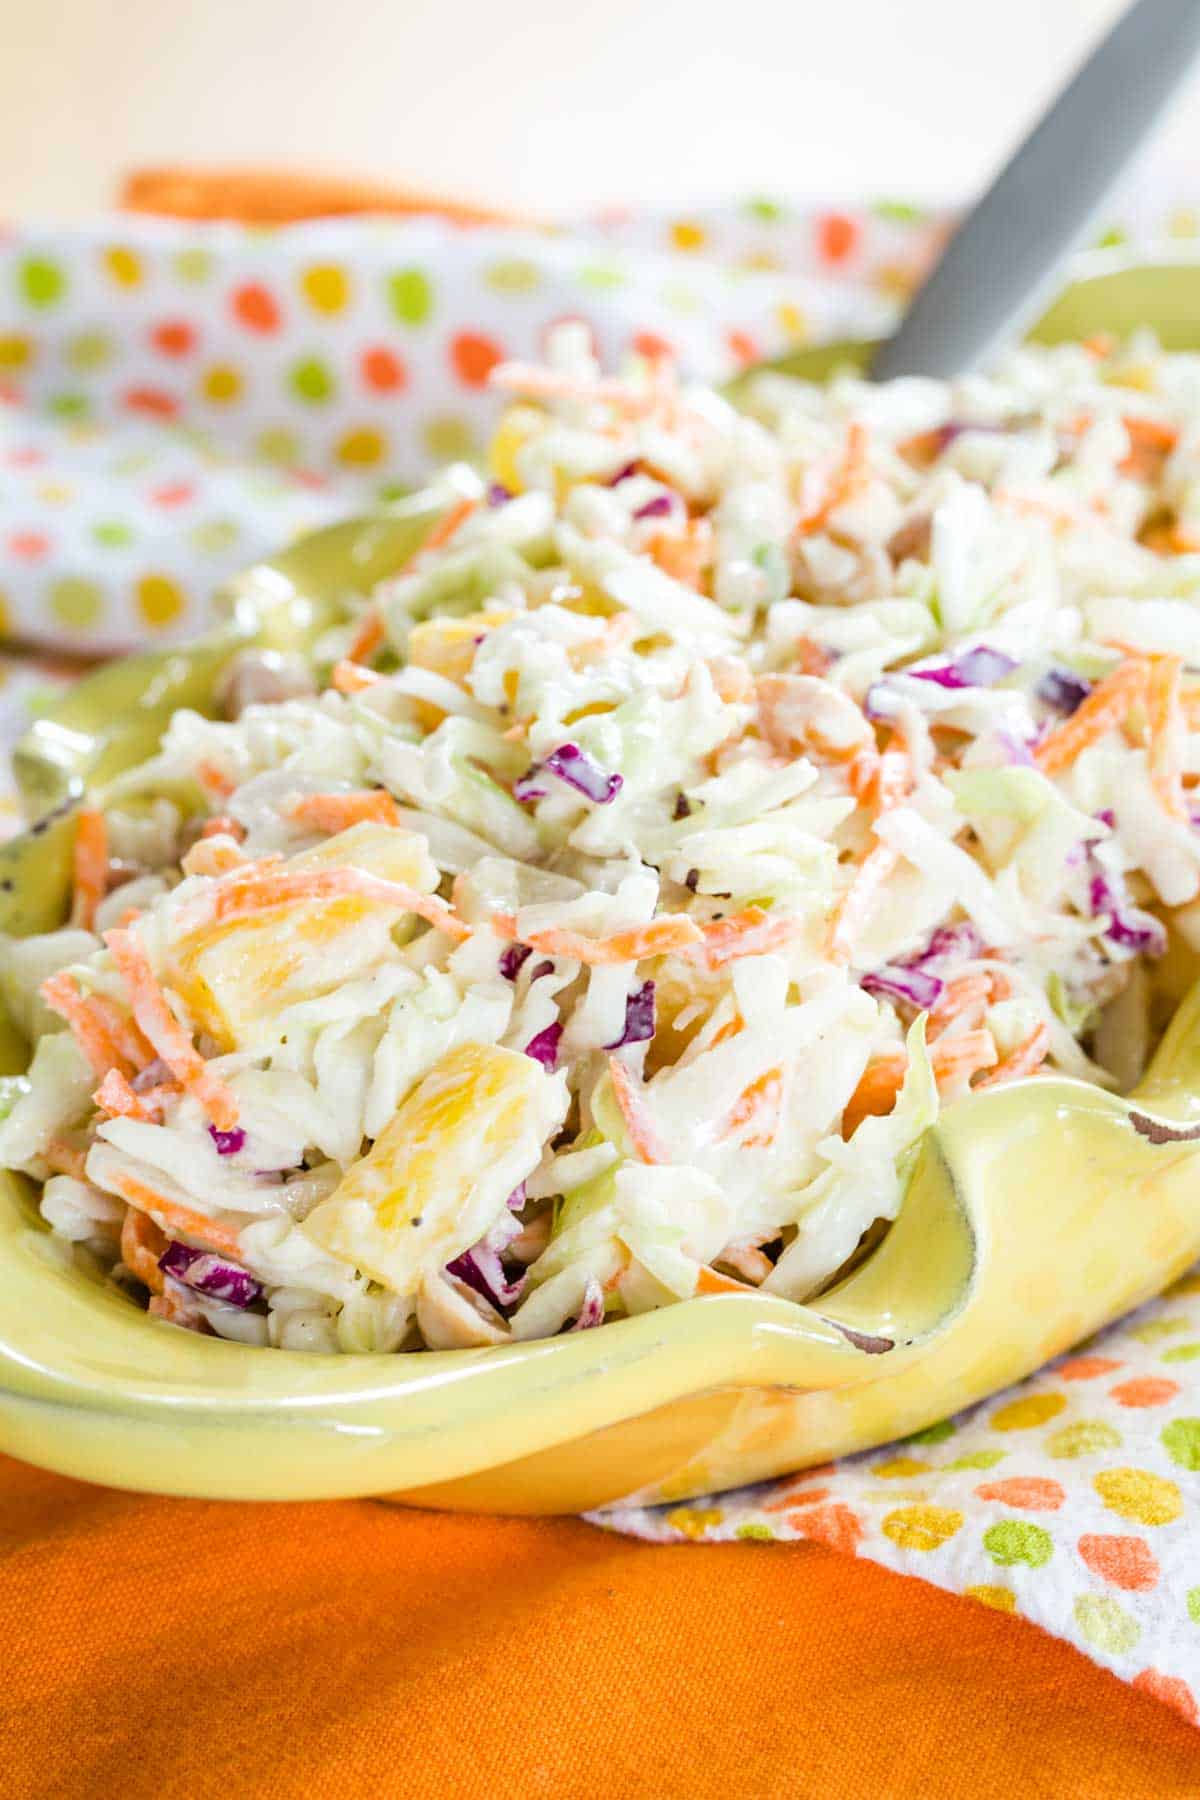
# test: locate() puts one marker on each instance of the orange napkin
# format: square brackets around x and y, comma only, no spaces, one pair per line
[186,1649]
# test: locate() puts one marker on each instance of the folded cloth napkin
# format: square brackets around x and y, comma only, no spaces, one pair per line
[184,396]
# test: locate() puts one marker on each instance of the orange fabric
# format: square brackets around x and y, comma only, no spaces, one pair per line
[182,1650]
[282,196]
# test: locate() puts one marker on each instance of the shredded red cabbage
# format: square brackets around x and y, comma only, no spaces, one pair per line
[639,1017]
[543,968]
[513,960]
[911,986]
[498,494]
[544,1047]
[591,1312]
[1014,750]
[209,1275]
[228,1142]
[949,944]
[584,774]
[658,508]
[481,1269]
[1128,925]
[623,474]
[1063,689]
[527,786]
[980,667]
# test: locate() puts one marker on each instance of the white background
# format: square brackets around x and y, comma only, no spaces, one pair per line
[550,104]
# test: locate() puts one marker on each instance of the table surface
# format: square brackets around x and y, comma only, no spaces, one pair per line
[549,106]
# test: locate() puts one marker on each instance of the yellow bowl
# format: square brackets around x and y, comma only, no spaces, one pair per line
[1037,1213]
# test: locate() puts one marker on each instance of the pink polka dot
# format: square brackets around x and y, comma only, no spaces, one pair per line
[1086,1368]
[155,403]
[1145,1390]
[30,546]
[1126,1562]
[173,493]
[27,458]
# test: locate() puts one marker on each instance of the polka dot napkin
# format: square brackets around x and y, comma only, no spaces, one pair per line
[179,399]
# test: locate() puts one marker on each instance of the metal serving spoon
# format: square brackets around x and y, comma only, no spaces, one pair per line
[1003,262]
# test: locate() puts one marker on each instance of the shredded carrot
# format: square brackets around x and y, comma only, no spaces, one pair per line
[369,636]
[792,715]
[1028,1056]
[115,1097]
[1167,729]
[1100,344]
[845,481]
[953,1061]
[548,384]
[894,780]
[171,1215]
[89,866]
[956,1058]
[222,825]
[710,1282]
[964,995]
[684,556]
[1104,709]
[142,1243]
[214,779]
[90,1026]
[751,932]
[863,773]
[249,892]
[858,899]
[351,677]
[164,1032]
[671,931]
[642,1134]
[173,1306]
[811,659]
[332,813]
[731,678]
[1150,443]
[65,1159]
[213,856]
[759,1104]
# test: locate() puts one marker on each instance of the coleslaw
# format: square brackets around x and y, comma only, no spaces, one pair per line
[606,914]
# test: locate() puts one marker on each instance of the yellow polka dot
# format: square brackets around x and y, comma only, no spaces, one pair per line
[921,1527]
[55,493]
[694,1523]
[222,384]
[75,602]
[1184,222]
[897,1467]
[123,264]
[1105,1624]
[159,600]
[1034,1409]
[5,616]
[1154,1330]
[792,321]
[360,449]
[687,235]
[1137,1494]
[325,287]
[1002,1599]
[15,352]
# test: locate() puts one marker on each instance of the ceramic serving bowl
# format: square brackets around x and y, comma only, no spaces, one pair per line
[1037,1211]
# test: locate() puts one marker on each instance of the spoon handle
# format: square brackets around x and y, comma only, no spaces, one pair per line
[1001,264]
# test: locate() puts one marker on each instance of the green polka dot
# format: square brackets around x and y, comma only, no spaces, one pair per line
[41,283]
[933,1434]
[392,490]
[977,1459]
[767,212]
[1110,239]
[1083,1438]
[512,275]
[601,277]
[214,535]
[192,265]
[1012,1541]
[410,296]
[1181,1353]
[1156,1329]
[69,406]
[681,299]
[1181,1441]
[311,380]
[898,212]
[1192,1599]
[113,534]
[75,602]
[755,1534]
[1105,1624]
[89,350]
[278,445]
[448,436]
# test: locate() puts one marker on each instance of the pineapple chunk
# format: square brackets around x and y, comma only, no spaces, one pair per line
[234,974]
[447,646]
[439,1174]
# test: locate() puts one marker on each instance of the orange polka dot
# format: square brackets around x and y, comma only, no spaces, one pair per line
[653,347]
[837,237]
[1126,1562]
[255,307]
[156,403]
[1170,1691]
[383,370]
[1086,1368]
[1034,1492]
[28,545]
[834,1526]
[1145,1390]
[174,337]
[784,1502]
[743,346]
[173,493]
[474,357]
